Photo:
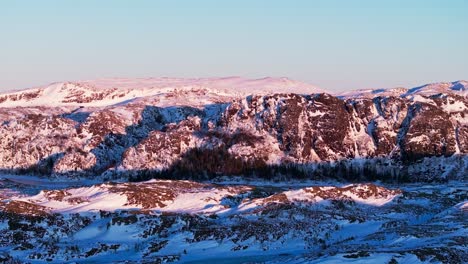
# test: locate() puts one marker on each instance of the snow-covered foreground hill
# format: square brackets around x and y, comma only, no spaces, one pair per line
[181,221]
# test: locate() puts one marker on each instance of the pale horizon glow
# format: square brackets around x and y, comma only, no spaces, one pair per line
[335,45]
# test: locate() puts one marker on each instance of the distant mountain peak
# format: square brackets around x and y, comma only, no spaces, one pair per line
[109,91]
[457,87]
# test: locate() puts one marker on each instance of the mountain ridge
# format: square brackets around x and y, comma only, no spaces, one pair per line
[105,92]
[183,129]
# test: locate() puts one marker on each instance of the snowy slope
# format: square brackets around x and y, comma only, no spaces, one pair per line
[458,87]
[178,126]
[104,92]
[192,197]
[361,223]
[371,93]
[455,88]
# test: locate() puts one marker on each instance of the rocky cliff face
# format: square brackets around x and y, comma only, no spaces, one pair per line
[201,130]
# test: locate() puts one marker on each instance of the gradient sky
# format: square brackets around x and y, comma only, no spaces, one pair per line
[337,45]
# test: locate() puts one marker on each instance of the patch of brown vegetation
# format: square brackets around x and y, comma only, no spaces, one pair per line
[77,200]
[80,96]
[24,208]
[154,194]
[363,191]
[57,195]
[277,198]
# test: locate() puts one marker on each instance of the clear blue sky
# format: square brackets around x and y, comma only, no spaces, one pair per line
[337,45]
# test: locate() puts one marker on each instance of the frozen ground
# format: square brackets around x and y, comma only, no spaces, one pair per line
[189,222]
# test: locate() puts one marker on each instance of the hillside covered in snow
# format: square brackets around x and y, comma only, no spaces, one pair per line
[105,92]
[167,221]
[203,128]
[269,170]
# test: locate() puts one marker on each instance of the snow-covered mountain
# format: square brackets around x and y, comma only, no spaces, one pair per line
[458,87]
[173,125]
[105,92]
[454,88]
[269,164]
[371,93]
